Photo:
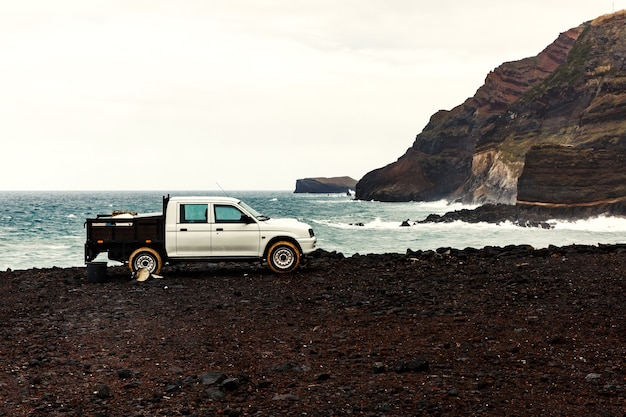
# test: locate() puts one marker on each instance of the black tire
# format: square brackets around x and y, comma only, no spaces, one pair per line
[145,258]
[283,257]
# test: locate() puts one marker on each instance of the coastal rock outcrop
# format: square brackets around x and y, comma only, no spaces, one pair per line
[530,121]
[325,185]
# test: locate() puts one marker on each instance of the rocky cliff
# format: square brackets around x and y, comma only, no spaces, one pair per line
[546,129]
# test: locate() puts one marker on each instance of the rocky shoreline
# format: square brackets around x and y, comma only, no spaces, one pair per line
[526,215]
[494,331]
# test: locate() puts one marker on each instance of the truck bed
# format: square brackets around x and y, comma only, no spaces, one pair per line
[121,234]
[125,228]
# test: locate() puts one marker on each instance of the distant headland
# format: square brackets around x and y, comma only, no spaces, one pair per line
[325,185]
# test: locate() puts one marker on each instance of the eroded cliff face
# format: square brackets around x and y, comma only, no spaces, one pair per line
[492,178]
[571,96]
[557,176]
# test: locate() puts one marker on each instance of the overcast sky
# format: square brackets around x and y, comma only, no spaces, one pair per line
[186,94]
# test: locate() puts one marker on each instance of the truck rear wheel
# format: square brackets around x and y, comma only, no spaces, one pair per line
[283,257]
[145,258]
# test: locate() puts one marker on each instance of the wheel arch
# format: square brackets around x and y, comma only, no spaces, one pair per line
[281,239]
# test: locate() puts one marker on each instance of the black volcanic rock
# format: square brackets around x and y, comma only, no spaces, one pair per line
[569,100]
[325,185]
[526,215]
[497,213]
[497,331]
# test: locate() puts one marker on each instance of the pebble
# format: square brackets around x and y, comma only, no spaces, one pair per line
[102,391]
[415,365]
[592,376]
[124,373]
[230,384]
[212,378]
[215,394]
[286,397]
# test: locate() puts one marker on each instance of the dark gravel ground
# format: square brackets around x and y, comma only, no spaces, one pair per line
[498,331]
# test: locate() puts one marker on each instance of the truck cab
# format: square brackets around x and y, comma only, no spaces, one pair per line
[215,228]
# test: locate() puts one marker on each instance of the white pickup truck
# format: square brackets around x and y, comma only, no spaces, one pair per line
[199,229]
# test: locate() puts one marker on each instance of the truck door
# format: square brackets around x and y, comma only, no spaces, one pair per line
[233,234]
[193,230]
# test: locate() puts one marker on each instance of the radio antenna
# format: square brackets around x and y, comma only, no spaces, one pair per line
[220,187]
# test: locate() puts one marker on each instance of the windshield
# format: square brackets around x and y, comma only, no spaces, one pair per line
[253,212]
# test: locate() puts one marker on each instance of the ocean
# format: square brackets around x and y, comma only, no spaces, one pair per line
[46,229]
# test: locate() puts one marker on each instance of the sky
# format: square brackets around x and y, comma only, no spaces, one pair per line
[243,94]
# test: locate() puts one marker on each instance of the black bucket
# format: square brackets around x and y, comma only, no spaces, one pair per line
[96,271]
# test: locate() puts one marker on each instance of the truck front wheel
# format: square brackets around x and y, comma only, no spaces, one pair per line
[283,257]
[145,258]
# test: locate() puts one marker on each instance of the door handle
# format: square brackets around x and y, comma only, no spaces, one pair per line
[219,229]
[184,229]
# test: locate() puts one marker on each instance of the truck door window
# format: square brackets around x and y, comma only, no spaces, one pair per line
[228,214]
[193,213]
